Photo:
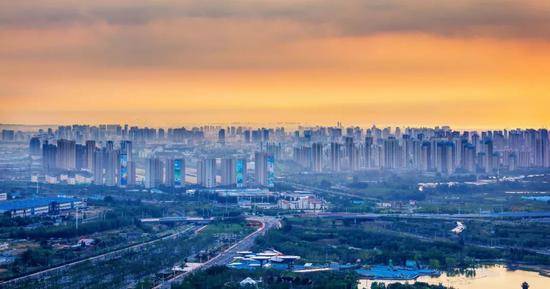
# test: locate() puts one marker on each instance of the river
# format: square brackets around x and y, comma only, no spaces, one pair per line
[497,277]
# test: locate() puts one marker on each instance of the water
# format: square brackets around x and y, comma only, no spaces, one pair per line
[497,277]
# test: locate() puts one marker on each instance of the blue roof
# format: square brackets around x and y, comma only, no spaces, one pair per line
[395,273]
[32,203]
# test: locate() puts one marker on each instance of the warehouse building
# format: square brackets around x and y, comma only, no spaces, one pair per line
[39,206]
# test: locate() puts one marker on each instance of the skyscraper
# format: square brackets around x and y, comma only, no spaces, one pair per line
[335,157]
[124,158]
[317,157]
[228,171]
[49,156]
[153,173]
[391,156]
[98,166]
[174,172]
[264,167]
[221,136]
[179,172]
[90,150]
[206,172]
[34,146]
[349,151]
[368,152]
[66,154]
[80,157]
[111,165]
[240,173]
[444,163]
[488,155]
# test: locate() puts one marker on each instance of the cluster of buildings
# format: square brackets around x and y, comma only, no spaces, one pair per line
[110,164]
[440,149]
[301,201]
[240,156]
[106,155]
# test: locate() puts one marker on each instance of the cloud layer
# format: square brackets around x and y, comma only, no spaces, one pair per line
[209,56]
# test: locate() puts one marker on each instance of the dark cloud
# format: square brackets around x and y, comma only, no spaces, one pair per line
[493,18]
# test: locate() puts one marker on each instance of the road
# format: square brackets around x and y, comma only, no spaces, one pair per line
[520,215]
[228,254]
[516,215]
[325,191]
[104,256]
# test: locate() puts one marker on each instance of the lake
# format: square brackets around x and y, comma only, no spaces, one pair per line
[497,277]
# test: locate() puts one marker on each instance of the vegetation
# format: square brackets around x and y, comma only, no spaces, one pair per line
[223,277]
[133,266]
[321,241]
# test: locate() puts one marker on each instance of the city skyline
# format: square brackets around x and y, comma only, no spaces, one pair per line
[275,144]
[172,63]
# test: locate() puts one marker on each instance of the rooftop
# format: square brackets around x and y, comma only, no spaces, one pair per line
[33,203]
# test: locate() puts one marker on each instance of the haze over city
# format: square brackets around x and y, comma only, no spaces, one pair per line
[275,144]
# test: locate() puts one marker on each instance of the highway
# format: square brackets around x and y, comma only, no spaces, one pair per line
[228,254]
[104,256]
[511,215]
[517,215]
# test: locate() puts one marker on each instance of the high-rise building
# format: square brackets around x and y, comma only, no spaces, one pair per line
[174,172]
[98,166]
[206,172]
[111,165]
[228,171]
[169,173]
[444,163]
[240,172]
[391,153]
[221,136]
[34,146]
[541,149]
[469,158]
[426,156]
[66,154]
[349,151]
[179,172]
[264,167]
[488,156]
[270,170]
[153,173]
[335,156]
[81,162]
[124,158]
[90,151]
[8,135]
[317,157]
[368,158]
[49,156]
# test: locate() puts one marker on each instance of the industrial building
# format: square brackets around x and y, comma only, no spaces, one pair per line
[39,206]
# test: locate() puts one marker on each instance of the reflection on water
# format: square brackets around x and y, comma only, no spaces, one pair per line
[485,278]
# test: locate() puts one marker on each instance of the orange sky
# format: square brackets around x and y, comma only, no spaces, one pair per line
[164,63]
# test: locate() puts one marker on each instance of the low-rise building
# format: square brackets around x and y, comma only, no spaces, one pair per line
[39,206]
[300,201]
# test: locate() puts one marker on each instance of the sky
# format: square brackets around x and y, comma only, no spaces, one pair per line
[464,63]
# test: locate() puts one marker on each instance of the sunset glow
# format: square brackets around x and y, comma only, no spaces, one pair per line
[359,62]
